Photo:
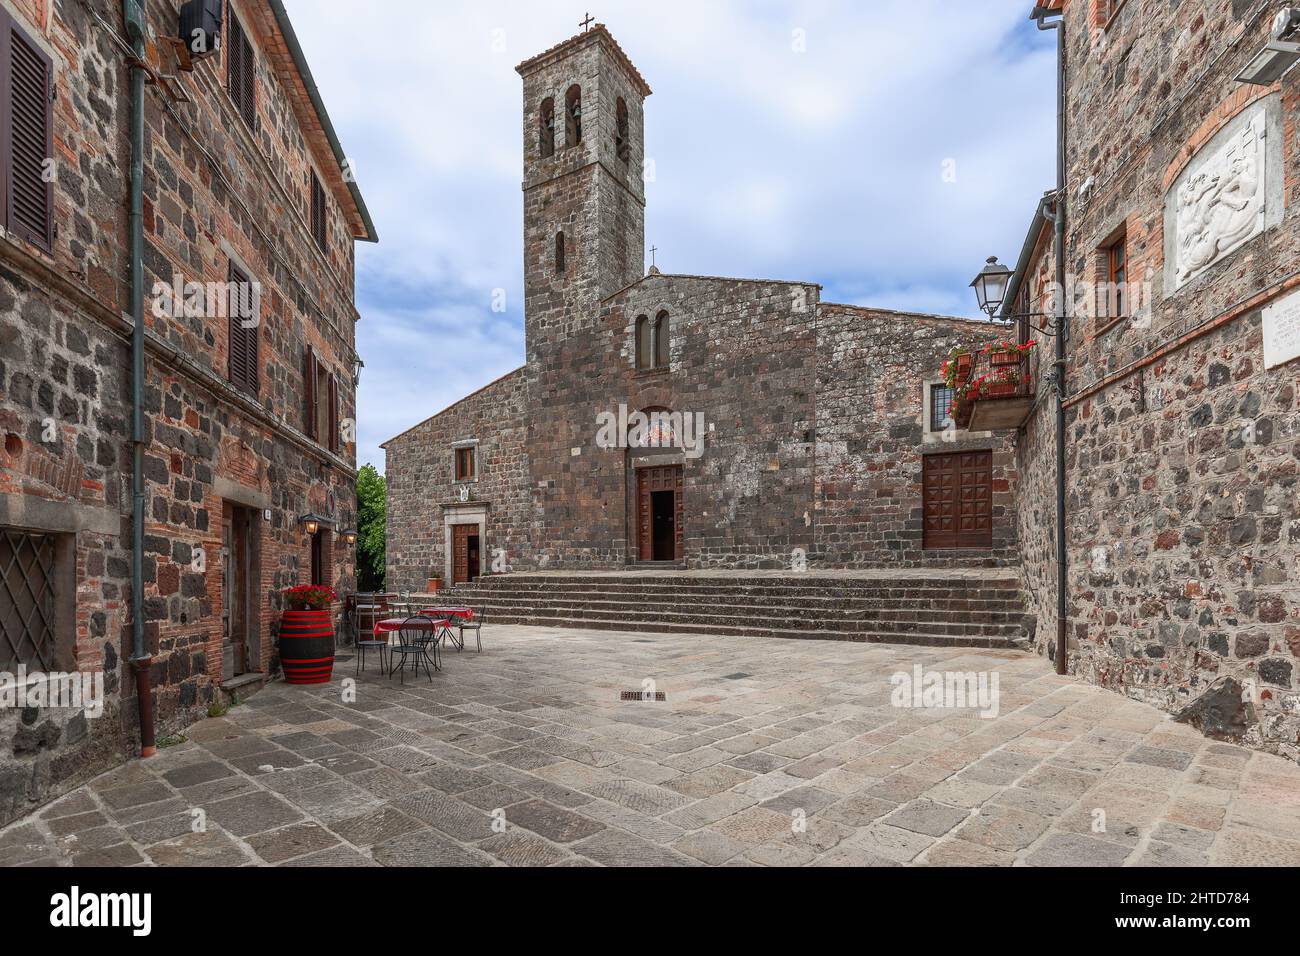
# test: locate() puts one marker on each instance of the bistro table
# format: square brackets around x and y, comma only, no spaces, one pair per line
[436,626]
[464,613]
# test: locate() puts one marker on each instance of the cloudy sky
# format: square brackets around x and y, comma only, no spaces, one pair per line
[906,142]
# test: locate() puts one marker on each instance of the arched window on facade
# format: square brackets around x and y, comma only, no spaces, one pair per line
[573,116]
[546,133]
[644,343]
[622,145]
[559,254]
[662,348]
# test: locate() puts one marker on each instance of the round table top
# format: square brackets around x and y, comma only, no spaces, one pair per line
[416,622]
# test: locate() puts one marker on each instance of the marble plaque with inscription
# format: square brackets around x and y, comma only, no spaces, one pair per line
[1282,331]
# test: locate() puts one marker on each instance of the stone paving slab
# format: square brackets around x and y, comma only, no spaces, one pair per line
[765,753]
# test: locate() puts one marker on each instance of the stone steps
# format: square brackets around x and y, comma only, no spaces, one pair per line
[934,610]
[1001,622]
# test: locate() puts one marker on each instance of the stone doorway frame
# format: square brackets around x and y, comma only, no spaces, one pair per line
[471,513]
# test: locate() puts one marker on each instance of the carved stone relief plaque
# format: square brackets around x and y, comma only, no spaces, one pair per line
[1223,200]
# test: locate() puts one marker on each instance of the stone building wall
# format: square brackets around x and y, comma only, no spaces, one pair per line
[422,492]
[212,186]
[873,370]
[1182,446]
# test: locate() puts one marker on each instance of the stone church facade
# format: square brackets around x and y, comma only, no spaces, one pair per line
[797,430]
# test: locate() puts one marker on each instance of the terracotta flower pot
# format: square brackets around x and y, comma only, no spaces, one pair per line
[435,585]
[1004,358]
[307,646]
[965,363]
[1000,390]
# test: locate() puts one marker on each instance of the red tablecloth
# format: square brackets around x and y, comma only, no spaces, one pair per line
[466,612]
[394,624]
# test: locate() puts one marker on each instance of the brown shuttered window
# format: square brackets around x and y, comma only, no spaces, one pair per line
[244,326]
[242,72]
[334,414]
[319,221]
[309,392]
[26,136]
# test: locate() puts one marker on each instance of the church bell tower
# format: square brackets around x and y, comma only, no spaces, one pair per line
[584,192]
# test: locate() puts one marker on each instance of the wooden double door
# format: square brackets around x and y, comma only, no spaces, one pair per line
[660,523]
[958,500]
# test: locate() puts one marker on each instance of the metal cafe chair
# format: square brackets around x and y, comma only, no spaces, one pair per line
[475,624]
[369,612]
[413,643]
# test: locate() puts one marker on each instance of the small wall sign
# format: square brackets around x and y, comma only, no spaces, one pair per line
[1282,331]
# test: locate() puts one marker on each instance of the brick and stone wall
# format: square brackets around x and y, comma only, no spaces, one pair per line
[213,189]
[1182,447]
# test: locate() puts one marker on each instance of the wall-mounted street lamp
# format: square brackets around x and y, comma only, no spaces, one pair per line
[357,366]
[350,536]
[1280,53]
[991,286]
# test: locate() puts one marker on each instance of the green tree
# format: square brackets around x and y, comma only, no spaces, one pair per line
[372,520]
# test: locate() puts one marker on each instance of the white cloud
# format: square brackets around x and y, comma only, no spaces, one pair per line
[826,165]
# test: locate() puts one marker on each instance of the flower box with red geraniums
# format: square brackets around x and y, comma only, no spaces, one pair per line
[307,634]
[957,367]
[1007,352]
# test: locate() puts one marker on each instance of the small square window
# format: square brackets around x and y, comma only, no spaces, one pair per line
[466,469]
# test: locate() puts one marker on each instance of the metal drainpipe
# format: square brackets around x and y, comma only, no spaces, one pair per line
[1062,333]
[141,660]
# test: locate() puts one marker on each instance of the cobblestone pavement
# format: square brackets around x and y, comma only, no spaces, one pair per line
[756,737]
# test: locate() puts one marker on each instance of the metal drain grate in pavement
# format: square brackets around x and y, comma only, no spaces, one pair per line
[642,695]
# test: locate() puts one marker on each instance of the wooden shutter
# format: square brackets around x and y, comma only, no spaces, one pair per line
[309,392]
[242,72]
[319,208]
[334,414]
[245,359]
[26,135]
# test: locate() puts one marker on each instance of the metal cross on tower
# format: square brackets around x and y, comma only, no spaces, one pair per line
[586,24]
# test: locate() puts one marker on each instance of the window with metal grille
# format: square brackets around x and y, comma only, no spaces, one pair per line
[26,136]
[241,67]
[319,208]
[27,601]
[940,407]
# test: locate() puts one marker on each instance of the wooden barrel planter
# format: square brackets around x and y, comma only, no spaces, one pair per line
[307,646]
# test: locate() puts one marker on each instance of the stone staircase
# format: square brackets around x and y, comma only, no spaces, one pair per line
[943,608]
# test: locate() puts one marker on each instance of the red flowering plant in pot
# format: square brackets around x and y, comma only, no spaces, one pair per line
[1007,352]
[957,367]
[1003,382]
[307,634]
